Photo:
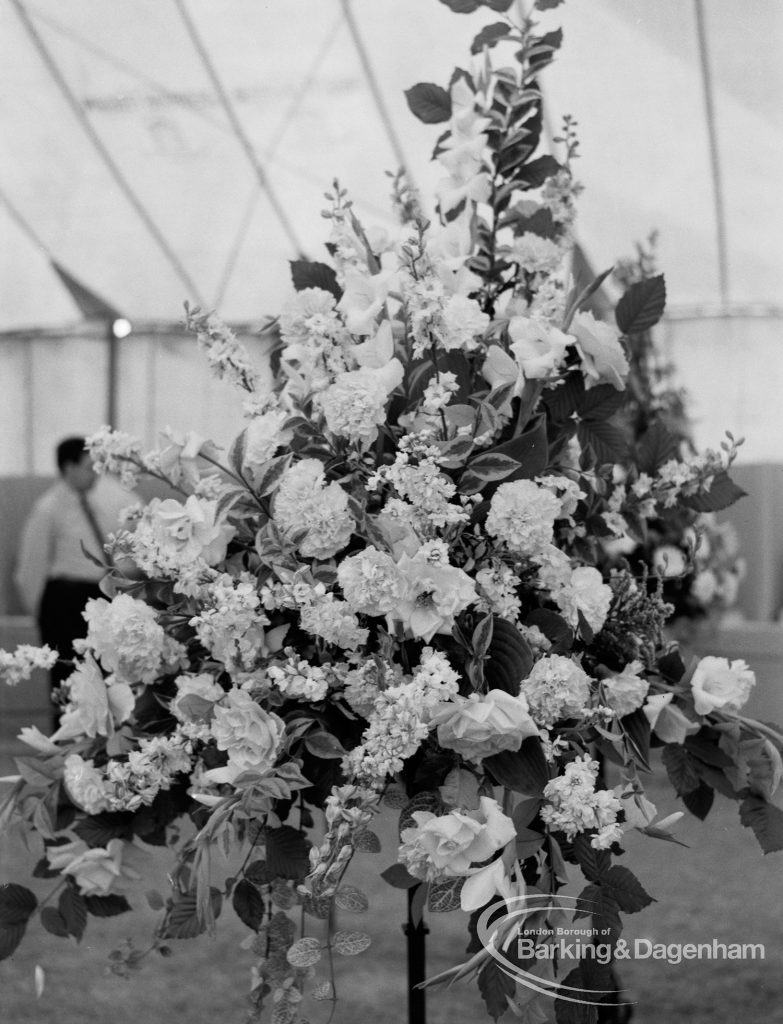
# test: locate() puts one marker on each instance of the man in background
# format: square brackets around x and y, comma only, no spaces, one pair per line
[54,577]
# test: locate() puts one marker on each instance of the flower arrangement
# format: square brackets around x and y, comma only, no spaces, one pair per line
[387,595]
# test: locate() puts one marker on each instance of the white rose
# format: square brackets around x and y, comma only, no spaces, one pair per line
[263,436]
[481,725]
[716,685]
[95,705]
[537,347]
[434,595]
[190,531]
[625,692]
[667,720]
[448,845]
[96,871]
[603,358]
[251,736]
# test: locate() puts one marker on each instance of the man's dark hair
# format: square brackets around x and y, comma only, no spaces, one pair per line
[69,451]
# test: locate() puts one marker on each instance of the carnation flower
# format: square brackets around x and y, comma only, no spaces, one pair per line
[483,724]
[264,434]
[450,845]
[585,594]
[556,688]
[85,785]
[125,636]
[536,255]
[603,358]
[371,582]
[625,692]
[463,321]
[355,405]
[718,684]
[305,502]
[251,736]
[522,515]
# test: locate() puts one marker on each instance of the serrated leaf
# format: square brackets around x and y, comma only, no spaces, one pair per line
[312,274]
[349,898]
[699,801]
[182,918]
[600,904]
[657,445]
[642,305]
[366,841]
[97,830]
[723,492]
[257,873]
[567,1012]
[496,988]
[680,768]
[17,904]
[248,904]
[305,952]
[350,943]
[627,889]
[429,102]
[600,402]
[766,820]
[509,657]
[287,852]
[398,876]
[608,442]
[426,801]
[594,863]
[489,36]
[524,771]
[443,897]
[73,911]
[10,937]
[54,923]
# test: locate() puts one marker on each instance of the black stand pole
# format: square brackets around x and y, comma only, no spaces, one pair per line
[415,932]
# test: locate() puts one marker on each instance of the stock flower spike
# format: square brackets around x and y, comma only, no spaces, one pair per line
[395,591]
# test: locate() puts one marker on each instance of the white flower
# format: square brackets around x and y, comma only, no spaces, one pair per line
[463,322]
[363,299]
[585,593]
[667,721]
[626,691]
[574,806]
[669,561]
[97,871]
[95,705]
[264,434]
[125,636]
[371,582]
[201,686]
[719,685]
[481,725]
[536,255]
[603,358]
[251,736]
[522,515]
[449,845]
[556,688]
[434,595]
[171,535]
[355,405]
[84,785]
[18,666]
[304,501]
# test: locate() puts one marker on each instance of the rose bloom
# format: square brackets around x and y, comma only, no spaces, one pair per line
[189,531]
[626,692]
[95,705]
[587,593]
[84,784]
[251,736]
[434,595]
[603,358]
[481,725]
[448,845]
[371,582]
[537,347]
[717,685]
[96,871]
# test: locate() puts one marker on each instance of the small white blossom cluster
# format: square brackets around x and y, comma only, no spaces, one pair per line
[575,806]
[225,353]
[18,666]
[297,679]
[424,492]
[117,453]
[355,405]
[348,810]
[231,627]
[400,719]
[315,339]
[326,616]
[497,585]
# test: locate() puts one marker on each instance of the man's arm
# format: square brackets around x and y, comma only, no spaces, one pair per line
[32,565]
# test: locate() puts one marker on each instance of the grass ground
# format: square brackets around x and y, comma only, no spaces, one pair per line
[720,887]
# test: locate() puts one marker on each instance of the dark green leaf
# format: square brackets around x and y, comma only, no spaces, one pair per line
[287,852]
[98,829]
[429,102]
[554,627]
[17,904]
[524,771]
[307,274]
[529,449]
[248,904]
[257,873]
[398,876]
[600,402]
[182,919]
[704,745]
[496,988]
[699,801]
[608,443]
[626,889]
[325,746]
[680,768]
[493,466]
[54,922]
[599,902]
[594,863]
[482,636]
[106,906]
[656,446]
[723,492]
[500,6]
[489,35]
[579,1012]
[73,912]
[534,174]
[642,305]
[509,657]
[10,937]
[636,730]
[462,6]
[444,896]
[766,820]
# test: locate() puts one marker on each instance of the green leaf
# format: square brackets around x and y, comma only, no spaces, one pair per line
[657,445]
[680,768]
[10,937]
[287,852]
[500,6]
[699,801]
[600,402]
[429,800]
[182,918]
[96,830]
[529,449]
[509,657]
[305,953]
[350,943]
[599,902]
[496,988]
[636,730]
[248,904]
[766,820]
[429,102]
[608,442]
[349,898]
[54,922]
[642,305]
[444,896]
[325,745]
[534,174]
[626,889]
[257,873]
[311,274]
[273,471]
[723,492]
[524,770]
[554,627]
[704,745]
[398,876]
[492,466]
[366,841]
[489,36]
[482,636]
[594,863]
[463,6]
[73,912]
[17,904]
[580,1012]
